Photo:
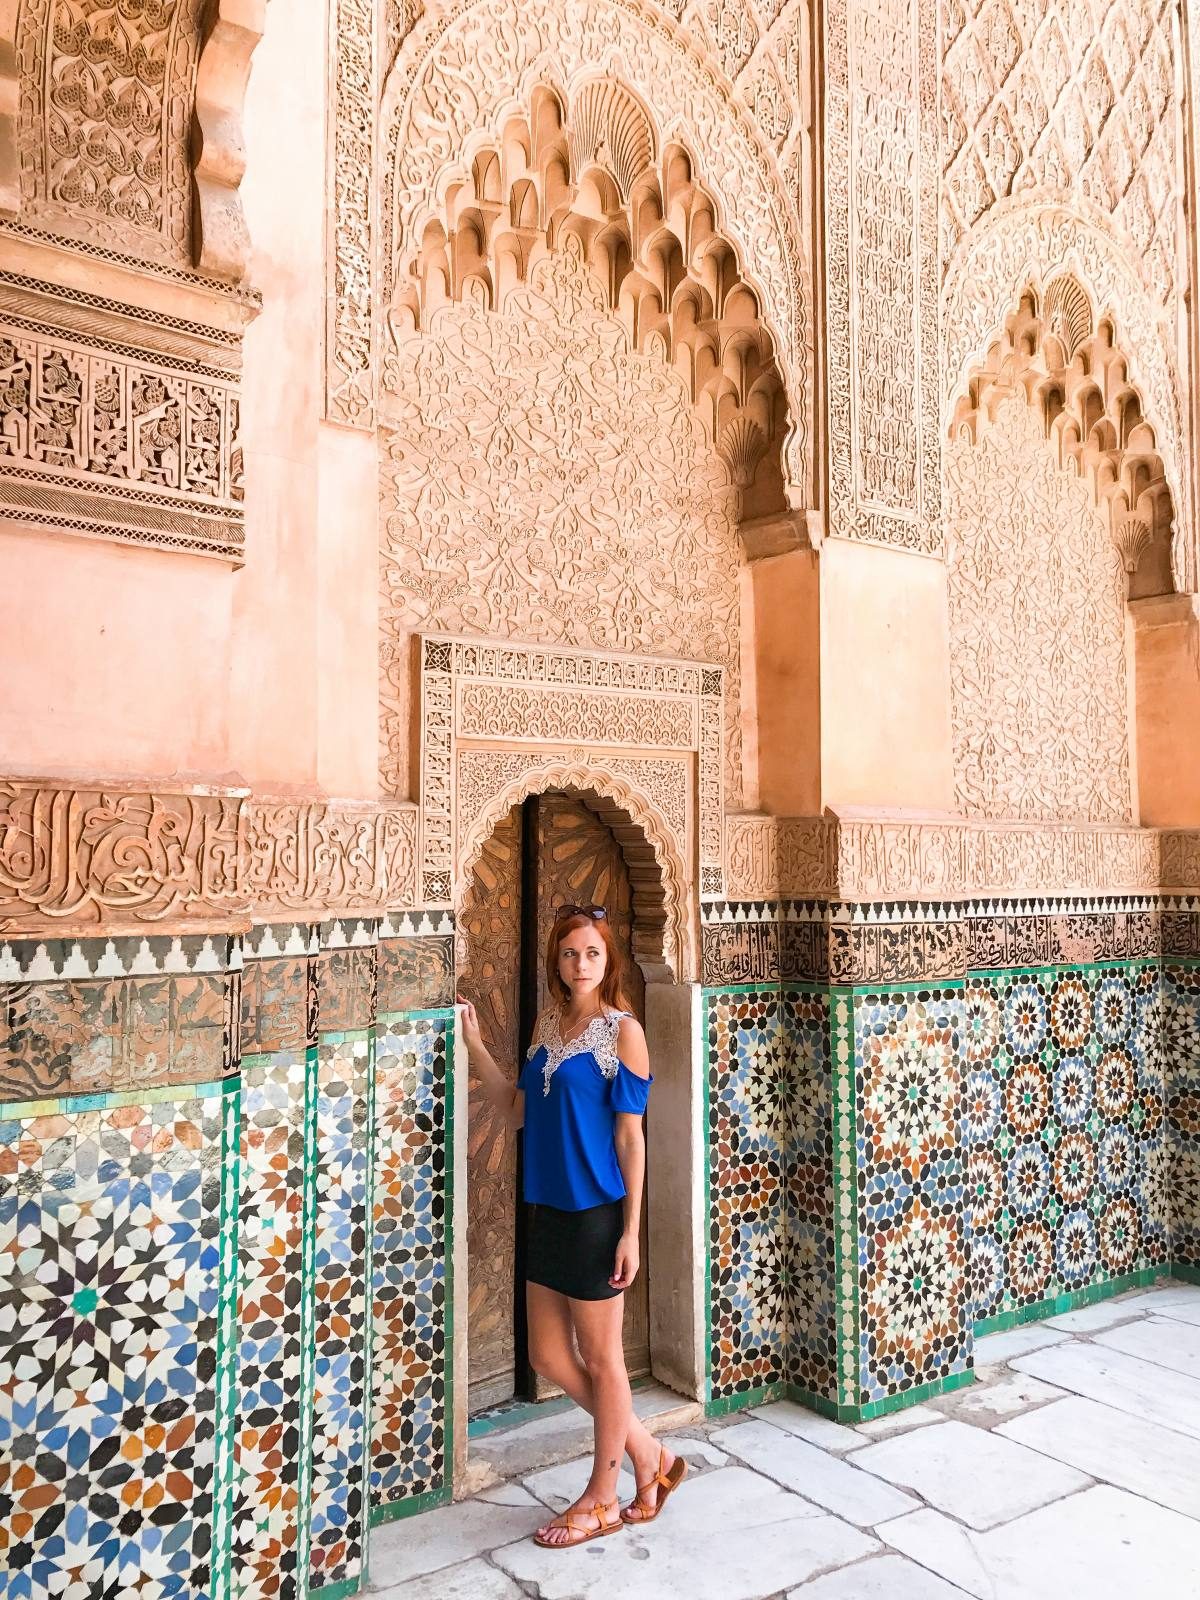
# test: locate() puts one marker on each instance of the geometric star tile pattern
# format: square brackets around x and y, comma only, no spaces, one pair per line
[770,1248]
[1068,1148]
[278,1112]
[1181,1071]
[908,1159]
[340,1268]
[412,1312]
[111,1221]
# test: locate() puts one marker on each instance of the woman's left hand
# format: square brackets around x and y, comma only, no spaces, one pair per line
[625,1269]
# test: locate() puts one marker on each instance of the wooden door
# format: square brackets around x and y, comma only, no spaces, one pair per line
[580,862]
[550,851]
[489,974]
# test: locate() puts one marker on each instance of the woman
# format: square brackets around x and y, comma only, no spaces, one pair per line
[580,1097]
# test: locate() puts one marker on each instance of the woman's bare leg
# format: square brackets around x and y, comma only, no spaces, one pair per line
[552,1354]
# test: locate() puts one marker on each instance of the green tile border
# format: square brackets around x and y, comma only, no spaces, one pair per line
[340,1590]
[449,1269]
[71,1105]
[308,1321]
[1184,1272]
[901,1402]
[1073,1300]
[726,1404]
[845,1195]
[369,1311]
[228,1293]
[394,1510]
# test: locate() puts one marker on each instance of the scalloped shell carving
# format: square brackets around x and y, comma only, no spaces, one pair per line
[608,128]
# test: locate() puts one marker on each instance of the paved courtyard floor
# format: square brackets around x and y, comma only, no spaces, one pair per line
[1071,1466]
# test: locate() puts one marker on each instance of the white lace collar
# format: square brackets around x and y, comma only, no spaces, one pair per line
[599,1038]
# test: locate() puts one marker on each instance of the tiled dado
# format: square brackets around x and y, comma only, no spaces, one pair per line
[960,1192]
[117,1306]
[255,1431]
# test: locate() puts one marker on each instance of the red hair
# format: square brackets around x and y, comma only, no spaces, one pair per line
[612,986]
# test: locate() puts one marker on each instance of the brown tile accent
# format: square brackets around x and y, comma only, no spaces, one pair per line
[416,974]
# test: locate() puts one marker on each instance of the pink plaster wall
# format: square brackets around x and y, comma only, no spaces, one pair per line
[115,659]
[885,679]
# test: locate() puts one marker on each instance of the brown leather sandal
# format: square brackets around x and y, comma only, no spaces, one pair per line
[667,1484]
[571,1520]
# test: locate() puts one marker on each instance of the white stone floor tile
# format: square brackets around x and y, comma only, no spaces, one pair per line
[1104,1314]
[414,1546]
[473,1580]
[729,1535]
[997,1347]
[878,1578]
[1126,1451]
[1104,1543]
[899,1422]
[1116,1379]
[506,1494]
[1179,1300]
[1159,1339]
[997,1398]
[558,1487]
[786,1414]
[818,1476]
[973,1475]
[696,1452]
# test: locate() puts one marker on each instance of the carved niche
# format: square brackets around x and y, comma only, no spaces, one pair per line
[1065,96]
[1032,245]
[544,481]
[454,85]
[881,274]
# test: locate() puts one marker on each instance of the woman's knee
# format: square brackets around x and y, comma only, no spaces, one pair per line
[602,1361]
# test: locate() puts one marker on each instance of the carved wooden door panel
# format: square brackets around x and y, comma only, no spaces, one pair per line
[489,974]
[579,861]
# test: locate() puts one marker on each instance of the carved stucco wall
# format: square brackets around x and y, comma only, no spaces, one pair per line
[542,481]
[1060,148]
[1037,633]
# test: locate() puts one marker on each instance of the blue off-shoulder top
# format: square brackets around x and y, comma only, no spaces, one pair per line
[573,1094]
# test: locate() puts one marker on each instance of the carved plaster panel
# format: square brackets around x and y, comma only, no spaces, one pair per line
[881,859]
[1065,96]
[118,423]
[543,481]
[113,859]
[350,187]
[461,70]
[623,745]
[881,277]
[127,129]
[1036,593]
[1022,245]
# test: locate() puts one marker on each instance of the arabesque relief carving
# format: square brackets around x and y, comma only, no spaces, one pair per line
[881,274]
[868,860]
[1036,593]
[1065,95]
[492,725]
[454,83]
[543,481]
[111,94]
[113,859]
[1024,247]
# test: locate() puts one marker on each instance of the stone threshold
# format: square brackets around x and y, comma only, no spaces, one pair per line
[549,1433]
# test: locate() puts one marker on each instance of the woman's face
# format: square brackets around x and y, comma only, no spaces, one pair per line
[582,959]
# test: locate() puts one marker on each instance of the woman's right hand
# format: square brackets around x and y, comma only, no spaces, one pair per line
[470,1025]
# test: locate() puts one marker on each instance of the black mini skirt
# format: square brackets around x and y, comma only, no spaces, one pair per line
[575,1252]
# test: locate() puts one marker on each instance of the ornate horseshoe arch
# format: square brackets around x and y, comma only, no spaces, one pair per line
[461,73]
[661,925]
[1023,246]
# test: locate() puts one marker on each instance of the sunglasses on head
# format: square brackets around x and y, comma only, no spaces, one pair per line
[596,913]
